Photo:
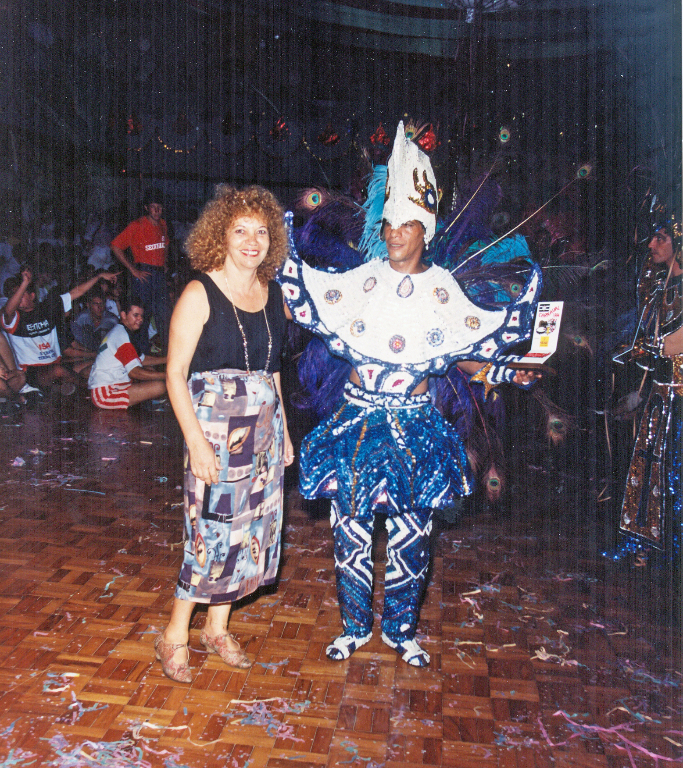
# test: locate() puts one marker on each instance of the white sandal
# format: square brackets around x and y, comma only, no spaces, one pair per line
[410,651]
[344,645]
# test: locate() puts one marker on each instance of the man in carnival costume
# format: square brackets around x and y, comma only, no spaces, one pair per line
[650,520]
[397,321]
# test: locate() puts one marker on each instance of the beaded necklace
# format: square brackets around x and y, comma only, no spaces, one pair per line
[239,325]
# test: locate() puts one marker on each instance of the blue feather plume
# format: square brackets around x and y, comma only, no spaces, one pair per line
[371,245]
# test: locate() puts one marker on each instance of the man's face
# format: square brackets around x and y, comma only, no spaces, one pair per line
[96,307]
[133,318]
[661,247]
[154,211]
[405,243]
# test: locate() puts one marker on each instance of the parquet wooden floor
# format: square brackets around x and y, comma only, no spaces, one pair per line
[541,655]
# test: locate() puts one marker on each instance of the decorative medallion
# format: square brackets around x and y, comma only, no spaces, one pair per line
[428,198]
[441,295]
[369,284]
[473,322]
[333,296]
[405,287]
[397,344]
[435,337]
[357,328]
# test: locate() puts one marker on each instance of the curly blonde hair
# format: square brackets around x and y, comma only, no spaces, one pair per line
[205,244]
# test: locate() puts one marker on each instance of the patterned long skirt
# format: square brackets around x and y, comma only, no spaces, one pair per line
[233,527]
[651,511]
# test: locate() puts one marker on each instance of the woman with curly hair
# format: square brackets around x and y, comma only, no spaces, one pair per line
[223,380]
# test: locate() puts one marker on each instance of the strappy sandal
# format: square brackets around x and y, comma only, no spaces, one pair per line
[410,651]
[180,673]
[344,645]
[219,645]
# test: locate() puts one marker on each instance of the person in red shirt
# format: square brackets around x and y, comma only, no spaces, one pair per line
[147,240]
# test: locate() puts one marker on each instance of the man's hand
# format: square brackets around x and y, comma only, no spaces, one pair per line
[525,378]
[140,274]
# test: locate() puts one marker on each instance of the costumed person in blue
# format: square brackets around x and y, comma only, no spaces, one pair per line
[396,321]
[650,520]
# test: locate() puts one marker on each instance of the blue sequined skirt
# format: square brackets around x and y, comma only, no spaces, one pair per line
[388,451]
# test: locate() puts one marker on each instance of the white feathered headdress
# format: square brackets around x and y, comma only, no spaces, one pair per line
[411,193]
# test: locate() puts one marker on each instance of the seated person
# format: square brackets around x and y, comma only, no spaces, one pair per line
[12,380]
[33,328]
[89,329]
[118,362]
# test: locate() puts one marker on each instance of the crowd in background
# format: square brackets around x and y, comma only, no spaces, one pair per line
[60,259]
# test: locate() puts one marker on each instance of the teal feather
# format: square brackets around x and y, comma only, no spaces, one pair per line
[371,246]
[509,249]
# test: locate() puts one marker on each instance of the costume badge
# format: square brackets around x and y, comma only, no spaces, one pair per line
[428,199]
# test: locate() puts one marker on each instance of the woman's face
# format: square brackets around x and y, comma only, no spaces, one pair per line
[247,242]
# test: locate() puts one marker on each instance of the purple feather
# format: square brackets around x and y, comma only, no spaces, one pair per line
[322,250]
[322,378]
[455,399]
[467,222]
[324,241]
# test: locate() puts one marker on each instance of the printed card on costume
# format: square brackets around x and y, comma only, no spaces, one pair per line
[546,333]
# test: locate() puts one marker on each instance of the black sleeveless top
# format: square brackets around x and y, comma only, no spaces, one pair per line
[221,344]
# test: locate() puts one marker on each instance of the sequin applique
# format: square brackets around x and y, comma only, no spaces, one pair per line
[441,295]
[435,337]
[428,198]
[357,328]
[405,287]
[397,344]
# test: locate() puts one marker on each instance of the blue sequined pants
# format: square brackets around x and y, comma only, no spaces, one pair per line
[406,571]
